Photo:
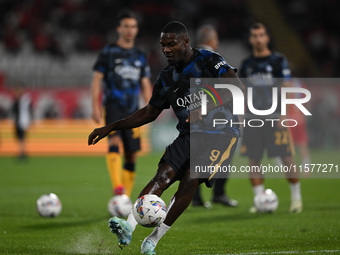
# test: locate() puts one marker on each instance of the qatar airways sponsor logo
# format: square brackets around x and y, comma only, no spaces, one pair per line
[191,101]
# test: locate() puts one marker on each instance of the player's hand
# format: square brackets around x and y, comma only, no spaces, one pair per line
[98,134]
[194,116]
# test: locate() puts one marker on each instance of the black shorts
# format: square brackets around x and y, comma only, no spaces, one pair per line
[277,142]
[20,133]
[201,149]
[177,155]
[209,154]
[130,137]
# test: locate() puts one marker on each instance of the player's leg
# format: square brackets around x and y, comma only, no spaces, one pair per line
[164,177]
[253,144]
[220,195]
[20,134]
[182,198]
[300,138]
[305,156]
[256,180]
[294,184]
[114,164]
[113,157]
[131,141]
[197,198]
[178,203]
[174,161]
[281,144]
[129,171]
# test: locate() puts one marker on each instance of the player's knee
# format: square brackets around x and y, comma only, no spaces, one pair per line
[287,161]
[254,162]
[165,175]
[114,140]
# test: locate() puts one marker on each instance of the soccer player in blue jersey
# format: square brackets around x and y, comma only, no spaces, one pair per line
[207,38]
[172,85]
[123,69]
[261,69]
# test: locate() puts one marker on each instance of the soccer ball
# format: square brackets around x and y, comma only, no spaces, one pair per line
[49,205]
[266,202]
[119,206]
[149,211]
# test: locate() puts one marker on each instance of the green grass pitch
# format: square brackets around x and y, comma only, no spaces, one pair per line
[83,186]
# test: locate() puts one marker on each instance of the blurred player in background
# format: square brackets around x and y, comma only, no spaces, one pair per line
[124,70]
[299,132]
[207,38]
[260,68]
[22,110]
[172,84]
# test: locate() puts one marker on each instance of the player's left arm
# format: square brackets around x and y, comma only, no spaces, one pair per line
[141,117]
[222,69]
[146,89]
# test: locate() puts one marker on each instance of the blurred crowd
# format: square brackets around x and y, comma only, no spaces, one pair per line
[63,26]
[318,24]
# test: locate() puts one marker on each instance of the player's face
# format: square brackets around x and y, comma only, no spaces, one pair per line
[259,39]
[128,29]
[174,47]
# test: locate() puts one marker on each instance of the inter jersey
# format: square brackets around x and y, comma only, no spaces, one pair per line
[172,87]
[262,74]
[123,70]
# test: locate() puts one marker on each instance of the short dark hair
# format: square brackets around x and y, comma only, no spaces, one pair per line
[258,25]
[175,27]
[125,14]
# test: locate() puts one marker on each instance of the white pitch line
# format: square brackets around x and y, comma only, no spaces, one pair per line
[285,252]
[288,252]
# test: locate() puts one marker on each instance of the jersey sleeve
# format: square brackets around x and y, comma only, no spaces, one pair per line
[218,65]
[286,73]
[158,98]
[101,63]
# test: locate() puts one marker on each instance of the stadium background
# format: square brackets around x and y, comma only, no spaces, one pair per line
[50,47]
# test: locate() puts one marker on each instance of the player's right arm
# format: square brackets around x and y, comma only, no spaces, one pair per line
[137,119]
[95,92]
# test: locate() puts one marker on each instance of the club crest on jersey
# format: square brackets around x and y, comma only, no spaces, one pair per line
[269,68]
[138,63]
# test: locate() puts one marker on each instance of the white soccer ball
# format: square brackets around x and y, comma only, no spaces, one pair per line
[266,202]
[119,205]
[49,205]
[149,210]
